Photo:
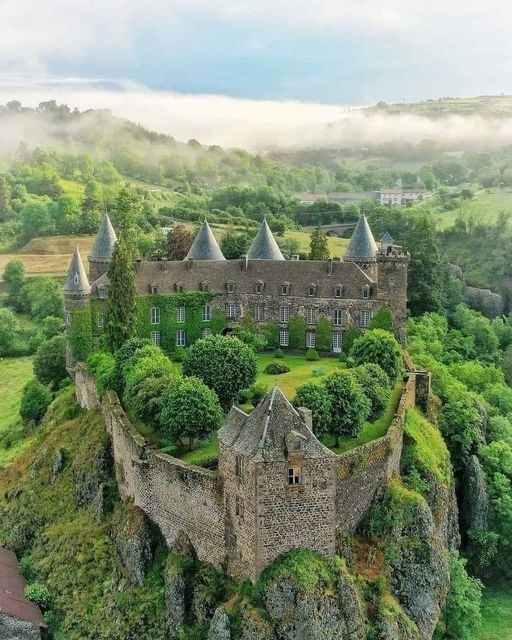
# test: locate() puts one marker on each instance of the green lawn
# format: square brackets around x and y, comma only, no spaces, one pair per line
[496,615]
[14,373]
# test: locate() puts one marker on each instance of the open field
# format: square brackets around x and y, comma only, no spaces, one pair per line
[14,373]
[496,615]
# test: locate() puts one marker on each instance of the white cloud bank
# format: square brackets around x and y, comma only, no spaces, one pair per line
[261,125]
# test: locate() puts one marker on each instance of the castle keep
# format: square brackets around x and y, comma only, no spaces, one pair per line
[306,303]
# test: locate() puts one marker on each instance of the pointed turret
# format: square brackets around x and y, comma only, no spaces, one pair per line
[264,245]
[101,252]
[76,281]
[205,246]
[362,246]
[386,240]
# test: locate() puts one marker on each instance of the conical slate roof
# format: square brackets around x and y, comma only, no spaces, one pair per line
[205,246]
[264,246]
[387,239]
[105,240]
[76,280]
[362,245]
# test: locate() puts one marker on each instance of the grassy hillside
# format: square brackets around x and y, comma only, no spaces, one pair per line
[14,373]
[483,105]
[496,615]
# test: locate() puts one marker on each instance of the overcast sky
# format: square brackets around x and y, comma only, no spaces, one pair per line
[323,52]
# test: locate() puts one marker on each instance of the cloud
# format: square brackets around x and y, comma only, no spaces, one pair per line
[259,125]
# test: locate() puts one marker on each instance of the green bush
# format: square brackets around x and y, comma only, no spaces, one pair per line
[35,400]
[279,353]
[462,611]
[312,355]
[276,368]
[39,593]
[102,364]
[179,354]
[27,569]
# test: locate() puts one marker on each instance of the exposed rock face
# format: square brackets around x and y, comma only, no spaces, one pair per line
[133,542]
[319,615]
[58,464]
[490,304]
[178,574]
[14,629]
[455,271]
[219,626]
[474,497]
[90,474]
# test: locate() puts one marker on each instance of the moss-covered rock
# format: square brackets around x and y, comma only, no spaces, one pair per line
[131,532]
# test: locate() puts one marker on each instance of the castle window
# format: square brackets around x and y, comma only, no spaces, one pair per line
[338,317]
[206,332]
[205,286]
[310,339]
[366,291]
[207,312]
[311,316]
[230,311]
[239,466]
[285,288]
[180,314]
[102,293]
[284,337]
[338,291]
[155,315]
[259,287]
[312,290]
[230,287]
[239,507]
[153,288]
[180,338]
[259,313]
[336,342]
[365,318]
[100,319]
[155,338]
[284,314]
[294,475]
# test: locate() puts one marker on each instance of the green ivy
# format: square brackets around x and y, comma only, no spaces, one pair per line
[80,333]
[297,332]
[323,334]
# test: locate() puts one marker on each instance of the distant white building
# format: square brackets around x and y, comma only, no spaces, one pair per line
[400,196]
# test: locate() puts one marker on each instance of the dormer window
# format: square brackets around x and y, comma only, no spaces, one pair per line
[366,291]
[312,290]
[285,289]
[179,287]
[295,442]
[153,288]
[205,286]
[76,279]
[230,287]
[102,293]
[258,287]
[338,291]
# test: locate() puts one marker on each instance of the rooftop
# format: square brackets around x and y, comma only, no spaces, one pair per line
[362,244]
[76,280]
[12,598]
[205,246]
[264,245]
[106,238]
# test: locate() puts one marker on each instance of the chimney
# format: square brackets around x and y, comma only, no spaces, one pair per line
[164,264]
[306,417]
[190,263]
[245,263]
[330,267]
[294,257]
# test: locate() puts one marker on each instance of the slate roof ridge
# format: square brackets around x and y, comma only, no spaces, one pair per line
[264,245]
[387,239]
[105,240]
[362,244]
[76,279]
[205,247]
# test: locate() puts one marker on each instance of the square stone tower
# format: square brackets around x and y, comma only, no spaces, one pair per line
[279,485]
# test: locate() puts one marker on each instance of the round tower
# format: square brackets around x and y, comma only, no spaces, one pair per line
[77,293]
[363,249]
[101,252]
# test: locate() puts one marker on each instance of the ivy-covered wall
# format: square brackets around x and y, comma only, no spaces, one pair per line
[80,333]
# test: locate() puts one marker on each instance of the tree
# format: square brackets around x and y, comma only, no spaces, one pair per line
[349,406]
[5,199]
[225,364]
[127,208]
[122,355]
[381,319]
[43,297]
[120,307]
[189,410]
[179,241]
[50,361]
[319,249]
[35,400]
[234,244]
[375,384]
[35,220]
[157,365]
[9,328]
[14,280]
[380,347]
[462,611]
[462,425]
[314,397]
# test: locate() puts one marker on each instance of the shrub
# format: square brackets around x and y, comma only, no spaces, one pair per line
[312,355]
[39,593]
[276,368]
[279,353]
[349,406]
[462,612]
[179,354]
[35,400]
[101,364]
[50,361]
[27,569]
[257,390]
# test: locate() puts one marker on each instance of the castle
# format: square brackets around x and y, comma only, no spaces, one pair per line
[307,303]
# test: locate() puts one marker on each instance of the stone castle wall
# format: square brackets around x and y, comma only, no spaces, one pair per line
[175,495]
[363,472]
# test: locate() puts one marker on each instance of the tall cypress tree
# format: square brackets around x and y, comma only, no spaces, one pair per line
[319,249]
[120,307]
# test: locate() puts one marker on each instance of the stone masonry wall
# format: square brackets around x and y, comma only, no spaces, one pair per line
[13,629]
[175,495]
[363,472]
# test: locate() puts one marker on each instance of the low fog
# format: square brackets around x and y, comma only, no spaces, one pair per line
[254,125]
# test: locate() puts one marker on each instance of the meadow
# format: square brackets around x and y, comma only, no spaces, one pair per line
[496,614]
